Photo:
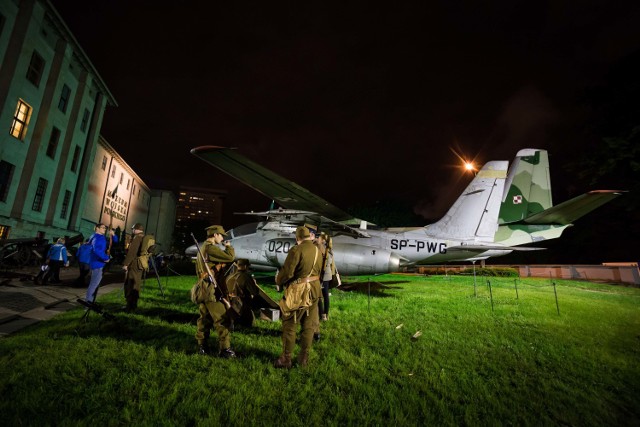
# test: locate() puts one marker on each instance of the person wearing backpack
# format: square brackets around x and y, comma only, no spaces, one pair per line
[302,266]
[83,254]
[98,258]
[56,258]
[134,267]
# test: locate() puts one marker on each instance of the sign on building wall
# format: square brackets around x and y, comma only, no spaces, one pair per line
[115,208]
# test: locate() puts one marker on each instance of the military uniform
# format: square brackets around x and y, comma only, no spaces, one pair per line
[133,279]
[214,313]
[300,264]
[242,286]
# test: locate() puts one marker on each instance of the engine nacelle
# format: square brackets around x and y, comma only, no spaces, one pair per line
[352,259]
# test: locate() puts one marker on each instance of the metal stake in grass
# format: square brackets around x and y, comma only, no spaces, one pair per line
[475,290]
[490,293]
[515,282]
[556,294]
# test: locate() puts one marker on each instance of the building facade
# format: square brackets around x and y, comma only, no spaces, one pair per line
[197,208]
[52,102]
[58,176]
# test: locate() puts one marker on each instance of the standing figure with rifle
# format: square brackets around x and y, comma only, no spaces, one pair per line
[134,268]
[210,265]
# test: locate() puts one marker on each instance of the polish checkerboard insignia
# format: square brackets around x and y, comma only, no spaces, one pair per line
[517,200]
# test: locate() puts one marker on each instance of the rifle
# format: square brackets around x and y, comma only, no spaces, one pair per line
[221,294]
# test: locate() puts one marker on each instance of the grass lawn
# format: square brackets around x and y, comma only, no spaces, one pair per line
[521,363]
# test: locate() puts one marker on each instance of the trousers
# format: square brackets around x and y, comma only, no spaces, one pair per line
[94,283]
[213,314]
[309,322]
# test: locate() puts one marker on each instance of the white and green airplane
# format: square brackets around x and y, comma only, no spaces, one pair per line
[500,210]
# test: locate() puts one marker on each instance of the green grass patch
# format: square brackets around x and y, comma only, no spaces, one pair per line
[519,362]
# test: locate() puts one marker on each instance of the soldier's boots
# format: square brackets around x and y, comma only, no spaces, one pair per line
[284,361]
[316,336]
[203,350]
[303,359]
[227,353]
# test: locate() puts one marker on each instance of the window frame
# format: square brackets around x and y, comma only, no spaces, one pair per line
[23,122]
[65,204]
[65,97]
[52,147]
[38,198]
[76,159]
[36,68]
[5,184]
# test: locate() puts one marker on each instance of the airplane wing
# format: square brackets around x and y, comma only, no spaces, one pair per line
[287,193]
[483,248]
[569,211]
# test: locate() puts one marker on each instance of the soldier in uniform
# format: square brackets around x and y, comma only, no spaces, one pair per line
[302,263]
[213,313]
[132,268]
[242,287]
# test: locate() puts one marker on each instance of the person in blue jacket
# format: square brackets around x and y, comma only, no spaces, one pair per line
[83,254]
[97,259]
[56,258]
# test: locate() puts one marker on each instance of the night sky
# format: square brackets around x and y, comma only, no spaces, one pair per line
[376,97]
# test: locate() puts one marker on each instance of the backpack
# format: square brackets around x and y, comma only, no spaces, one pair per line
[297,295]
[143,254]
[200,292]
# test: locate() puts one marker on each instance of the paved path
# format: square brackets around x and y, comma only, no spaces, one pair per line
[23,302]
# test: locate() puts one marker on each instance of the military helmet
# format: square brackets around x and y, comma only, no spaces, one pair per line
[242,262]
[137,226]
[215,229]
[302,232]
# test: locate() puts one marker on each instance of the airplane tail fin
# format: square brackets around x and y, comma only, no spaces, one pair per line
[527,213]
[528,186]
[474,215]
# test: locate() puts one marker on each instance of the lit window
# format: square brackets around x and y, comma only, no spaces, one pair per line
[21,120]
[85,121]
[53,142]
[64,98]
[40,192]
[76,157]
[4,231]
[36,67]
[104,162]
[65,204]
[6,173]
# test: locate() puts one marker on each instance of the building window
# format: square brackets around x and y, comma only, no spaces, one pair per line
[65,204]
[128,183]
[36,67]
[2,20]
[113,171]
[121,177]
[133,190]
[4,231]
[40,192]
[53,142]
[104,162]
[76,157]
[21,120]
[6,173]
[85,121]
[64,98]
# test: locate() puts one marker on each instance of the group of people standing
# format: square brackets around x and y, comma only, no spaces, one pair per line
[310,260]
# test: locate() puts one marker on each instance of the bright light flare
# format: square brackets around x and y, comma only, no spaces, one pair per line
[469,166]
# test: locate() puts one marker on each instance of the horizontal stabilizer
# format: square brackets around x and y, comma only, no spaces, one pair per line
[286,193]
[571,210]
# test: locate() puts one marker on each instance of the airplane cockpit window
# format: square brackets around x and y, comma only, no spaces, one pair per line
[243,230]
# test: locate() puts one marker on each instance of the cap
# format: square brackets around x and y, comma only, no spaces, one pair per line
[243,262]
[215,229]
[312,228]
[302,232]
[137,226]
